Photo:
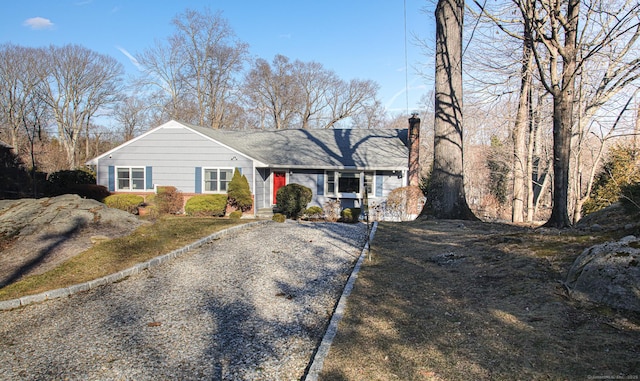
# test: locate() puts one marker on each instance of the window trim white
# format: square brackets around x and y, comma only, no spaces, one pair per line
[217,169]
[336,184]
[130,189]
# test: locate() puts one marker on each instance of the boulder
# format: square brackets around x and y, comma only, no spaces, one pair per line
[608,274]
[37,235]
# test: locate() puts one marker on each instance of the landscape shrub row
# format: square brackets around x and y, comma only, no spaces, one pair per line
[210,205]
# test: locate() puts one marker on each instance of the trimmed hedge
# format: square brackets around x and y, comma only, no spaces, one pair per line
[126,202]
[207,205]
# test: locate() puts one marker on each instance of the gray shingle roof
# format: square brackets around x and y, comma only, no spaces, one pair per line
[347,148]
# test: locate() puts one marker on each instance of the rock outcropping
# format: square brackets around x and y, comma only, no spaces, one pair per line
[37,235]
[608,274]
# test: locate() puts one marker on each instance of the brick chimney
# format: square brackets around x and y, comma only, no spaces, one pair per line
[414,150]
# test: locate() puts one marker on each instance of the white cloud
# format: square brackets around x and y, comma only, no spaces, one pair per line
[38,23]
[130,56]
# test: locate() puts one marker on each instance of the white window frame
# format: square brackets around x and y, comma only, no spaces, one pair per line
[217,190]
[131,187]
[336,184]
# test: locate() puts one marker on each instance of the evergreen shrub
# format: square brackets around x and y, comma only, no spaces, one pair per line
[292,199]
[350,214]
[91,191]
[313,212]
[621,169]
[631,197]
[126,202]
[66,181]
[207,205]
[239,192]
[235,215]
[278,217]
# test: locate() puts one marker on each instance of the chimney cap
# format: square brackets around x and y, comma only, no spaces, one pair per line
[414,114]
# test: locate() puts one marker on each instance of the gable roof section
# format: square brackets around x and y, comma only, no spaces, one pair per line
[172,124]
[337,148]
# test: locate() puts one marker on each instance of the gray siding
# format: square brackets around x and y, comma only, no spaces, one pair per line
[173,154]
[263,188]
[390,182]
[309,178]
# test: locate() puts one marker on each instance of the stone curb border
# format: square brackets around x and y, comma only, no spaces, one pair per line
[86,286]
[332,329]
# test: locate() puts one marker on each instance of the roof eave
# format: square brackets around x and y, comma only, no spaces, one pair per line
[335,167]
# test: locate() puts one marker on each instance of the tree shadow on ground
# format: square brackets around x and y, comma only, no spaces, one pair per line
[53,241]
[446,300]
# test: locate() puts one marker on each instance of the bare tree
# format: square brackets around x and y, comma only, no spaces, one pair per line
[348,99]
[584,66]
[446,195]
[609,70]
[11,91]
[196,67]
[521,128]
[305,94]
[273,91]
[315,84]
[131,115]
[21,104]
[162,66]
[81,82]
[24,112]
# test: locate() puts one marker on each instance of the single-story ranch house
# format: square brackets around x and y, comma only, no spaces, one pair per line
[335,164]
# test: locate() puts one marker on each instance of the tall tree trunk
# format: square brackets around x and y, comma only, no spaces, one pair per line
[562,109]
[446,196]
[520,129]
[563,121]
[533,152]
[636,132]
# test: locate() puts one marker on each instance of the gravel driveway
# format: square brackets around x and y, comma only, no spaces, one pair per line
[250,306]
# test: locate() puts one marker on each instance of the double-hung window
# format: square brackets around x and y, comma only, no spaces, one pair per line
[369,179]
[216,180]
[130,178]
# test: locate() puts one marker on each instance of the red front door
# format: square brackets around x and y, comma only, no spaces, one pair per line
[279,180]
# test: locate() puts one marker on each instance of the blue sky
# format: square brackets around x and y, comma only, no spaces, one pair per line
[355,38]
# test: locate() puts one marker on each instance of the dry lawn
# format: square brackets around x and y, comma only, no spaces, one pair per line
[452,300]
[109,257]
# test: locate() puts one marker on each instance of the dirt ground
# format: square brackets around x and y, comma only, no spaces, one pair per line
[458,300]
